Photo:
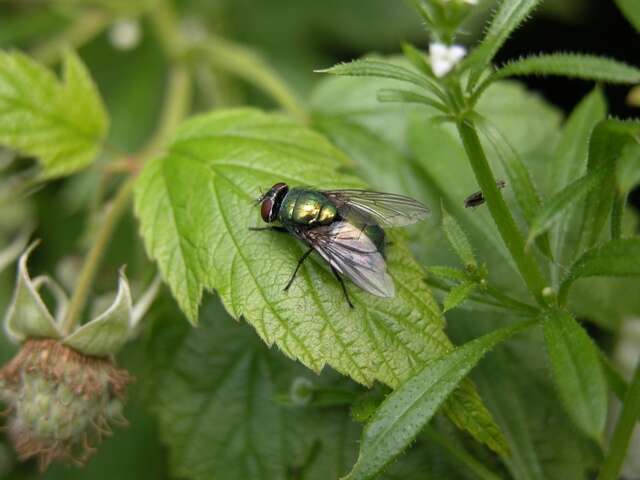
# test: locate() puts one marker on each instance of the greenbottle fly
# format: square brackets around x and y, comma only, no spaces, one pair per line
[345,227]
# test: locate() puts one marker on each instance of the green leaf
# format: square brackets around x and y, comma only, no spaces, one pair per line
[407,96]
[458,240]
[566,198]
[608,140]
[417,58]
[519,176]
[216,165]
[586,67]
[616,258]
[449,273]
[215,394]
[631,10]
[382,69]
[62,123]
[407,410]
[458,295]
[628,168]
[107,333]
[577,372]
[509,15]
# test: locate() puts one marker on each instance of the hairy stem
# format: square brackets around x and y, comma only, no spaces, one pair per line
[175,108]
[507,227]
[624,429]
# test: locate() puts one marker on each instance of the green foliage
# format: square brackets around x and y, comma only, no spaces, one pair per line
[62,123]
[614,258]
[586,67]
[403,414]
[631,10]
[577,372]
[249,269]
[509,15]
[458,294]
[458,240]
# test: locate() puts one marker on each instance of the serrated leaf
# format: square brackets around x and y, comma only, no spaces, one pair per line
[608,140]
[403,414]
[458,240]
[215,394]
[585,67]
[509,15]
[382,69]
[106,334]
[566,198]
[449,273]
[631,10]
[215,166]
[616,258]
[577,372]
[62,123]
[458,295]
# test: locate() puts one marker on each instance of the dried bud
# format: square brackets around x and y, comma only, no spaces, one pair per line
[61,403]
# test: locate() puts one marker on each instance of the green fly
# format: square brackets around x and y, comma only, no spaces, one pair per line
[345,227]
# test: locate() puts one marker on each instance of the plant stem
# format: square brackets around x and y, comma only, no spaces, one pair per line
[478,469]
[175,108]
[246,64]
[86,27]
[624,429]
[499,211]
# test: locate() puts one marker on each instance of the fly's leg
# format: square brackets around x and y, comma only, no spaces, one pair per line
[269,229]
[344,287]
[300,262]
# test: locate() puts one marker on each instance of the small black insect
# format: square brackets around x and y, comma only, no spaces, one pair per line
[344,227]
[477,198]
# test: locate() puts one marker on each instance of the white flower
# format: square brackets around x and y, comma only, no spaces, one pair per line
[444,58]
[125,34]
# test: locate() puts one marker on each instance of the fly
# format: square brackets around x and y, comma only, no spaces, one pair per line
[477,198]
[345,227]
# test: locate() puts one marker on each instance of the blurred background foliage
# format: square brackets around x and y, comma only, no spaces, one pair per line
[294,37]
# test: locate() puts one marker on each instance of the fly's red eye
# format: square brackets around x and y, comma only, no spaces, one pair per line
[266,209]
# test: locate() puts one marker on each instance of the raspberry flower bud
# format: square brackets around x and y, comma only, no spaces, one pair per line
[62,389]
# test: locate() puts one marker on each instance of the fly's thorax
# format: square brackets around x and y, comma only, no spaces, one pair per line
[307,207]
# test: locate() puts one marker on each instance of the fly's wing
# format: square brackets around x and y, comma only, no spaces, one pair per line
[384,209]
[352,254]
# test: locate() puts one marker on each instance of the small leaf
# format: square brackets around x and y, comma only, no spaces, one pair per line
[62,123]
[407,96]
[458,294]
[586,67]
[417,58]
[380,69]
[27,315]
[631,10]
[577,372]
[458,239]
[608,140]
[563,200]
[107,333]
[407,410]
[509,15]
[448,273]
[616,258]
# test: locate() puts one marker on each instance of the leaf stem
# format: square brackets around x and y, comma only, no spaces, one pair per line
[507,227]
[175,108]
[624,428]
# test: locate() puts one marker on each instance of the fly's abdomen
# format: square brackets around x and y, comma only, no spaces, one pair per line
[306,207]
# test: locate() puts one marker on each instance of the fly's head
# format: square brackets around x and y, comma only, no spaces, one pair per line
[270,202]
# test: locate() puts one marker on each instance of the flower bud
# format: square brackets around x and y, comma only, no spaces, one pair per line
[61,402]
